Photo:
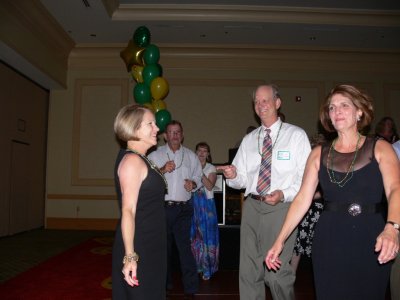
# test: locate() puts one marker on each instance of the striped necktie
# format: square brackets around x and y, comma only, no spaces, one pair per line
[264,177]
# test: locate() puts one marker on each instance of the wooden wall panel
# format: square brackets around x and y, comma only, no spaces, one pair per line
[97,102]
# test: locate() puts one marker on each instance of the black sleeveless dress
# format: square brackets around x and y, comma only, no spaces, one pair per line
[150,241]
[344,261]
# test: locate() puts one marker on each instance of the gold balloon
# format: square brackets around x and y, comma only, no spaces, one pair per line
[137,73]
[158,105]
[132,55]
[159,88]
[149,106]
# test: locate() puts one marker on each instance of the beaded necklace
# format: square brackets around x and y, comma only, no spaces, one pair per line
[331,173]
[183,156]
[152,165]
[259,135]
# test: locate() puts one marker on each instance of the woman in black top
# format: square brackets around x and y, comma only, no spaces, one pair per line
[139,258]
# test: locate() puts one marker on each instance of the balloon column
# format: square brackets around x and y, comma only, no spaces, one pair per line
[141,60]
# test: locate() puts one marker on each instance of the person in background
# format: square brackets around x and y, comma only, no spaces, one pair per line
[396,147]
[281,116]
[353,243]
[386,129]
[395,273]
[305,230]
[204,231]
[139,260]
[269,165]
[248,130]
[183,172]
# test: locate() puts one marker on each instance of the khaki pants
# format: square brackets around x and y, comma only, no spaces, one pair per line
[260,226]
[395,279]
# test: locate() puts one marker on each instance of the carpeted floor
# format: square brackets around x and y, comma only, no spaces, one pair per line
[54,264]
[71,264]
[20,252]
[82,272]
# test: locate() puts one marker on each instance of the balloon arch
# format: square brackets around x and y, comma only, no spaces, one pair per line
[141,59]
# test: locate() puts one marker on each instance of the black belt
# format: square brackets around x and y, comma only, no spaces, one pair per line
[258,197]
[175,203]
[354,209]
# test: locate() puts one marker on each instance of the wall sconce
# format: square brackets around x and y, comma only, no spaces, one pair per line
[297,98]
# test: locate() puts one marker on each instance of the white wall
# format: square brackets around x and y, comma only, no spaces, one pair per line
[210,93]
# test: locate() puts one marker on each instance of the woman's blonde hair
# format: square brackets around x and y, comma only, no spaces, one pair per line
[128,121]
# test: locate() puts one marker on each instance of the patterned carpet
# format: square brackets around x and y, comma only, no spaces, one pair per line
[23,251]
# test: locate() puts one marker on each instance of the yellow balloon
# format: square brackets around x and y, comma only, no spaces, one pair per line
[136,73]
[132,55]
[159,88]
[158,105]
[149,106]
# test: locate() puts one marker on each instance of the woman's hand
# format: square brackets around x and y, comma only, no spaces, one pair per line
[129,270]
[387,244]
[272,259]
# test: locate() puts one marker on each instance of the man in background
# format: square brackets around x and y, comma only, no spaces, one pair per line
[182,170]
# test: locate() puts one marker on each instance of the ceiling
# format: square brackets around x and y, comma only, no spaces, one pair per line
[340,25]
[344,24]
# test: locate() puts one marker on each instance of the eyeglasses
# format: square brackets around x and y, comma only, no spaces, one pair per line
[174,132]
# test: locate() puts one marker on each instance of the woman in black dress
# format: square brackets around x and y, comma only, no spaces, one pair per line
[139,258]
[352,243]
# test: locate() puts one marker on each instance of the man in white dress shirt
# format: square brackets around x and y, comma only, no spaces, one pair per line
[263,215]
[183,171]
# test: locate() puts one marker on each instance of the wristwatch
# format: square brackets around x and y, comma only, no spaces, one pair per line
[395,225]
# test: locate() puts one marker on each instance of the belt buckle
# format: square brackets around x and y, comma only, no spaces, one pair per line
[354,209]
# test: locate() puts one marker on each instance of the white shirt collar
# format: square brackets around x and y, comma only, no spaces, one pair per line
[274,127]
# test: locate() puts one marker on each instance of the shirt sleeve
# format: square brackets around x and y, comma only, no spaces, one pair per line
[240,181]
[303,149]
[396,147]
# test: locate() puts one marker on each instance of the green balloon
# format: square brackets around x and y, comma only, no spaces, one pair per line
[160,69]
[150,72]
[163,117]
[151,54]
[142,93]
[141,36]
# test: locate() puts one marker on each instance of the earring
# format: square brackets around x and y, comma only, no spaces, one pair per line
[358,118]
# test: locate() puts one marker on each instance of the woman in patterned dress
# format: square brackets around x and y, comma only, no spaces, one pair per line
[204,231]
[305,231]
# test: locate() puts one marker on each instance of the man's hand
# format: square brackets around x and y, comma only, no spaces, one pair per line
[168,167]
[274,197]
[228,170]
[189,185]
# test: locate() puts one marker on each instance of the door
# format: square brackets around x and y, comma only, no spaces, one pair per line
[19,188]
